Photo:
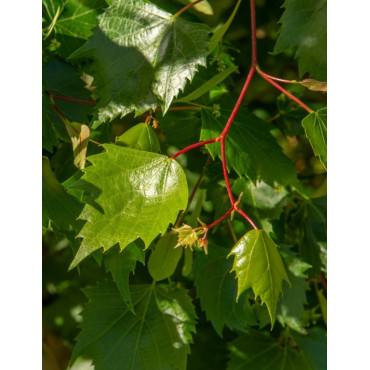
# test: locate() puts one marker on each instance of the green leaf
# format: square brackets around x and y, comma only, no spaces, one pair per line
[160,53]
[141,193]
[215,80]
[258,265]
[203,7]
[140,137]
[260,351]
[323,305]
[57,205]
[75,23]
[290,307]
[159,335]
[217,290]
[49,132]
[218,35]
[121,264]
[304,32]
[163,260]
[250,148]
[315,125]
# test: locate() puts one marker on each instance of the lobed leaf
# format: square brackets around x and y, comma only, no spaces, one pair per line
[258,265]
[141,193]
[158,334]
[159,52]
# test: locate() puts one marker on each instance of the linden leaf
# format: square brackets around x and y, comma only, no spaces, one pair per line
[258,265]
[159,53]
[141,193]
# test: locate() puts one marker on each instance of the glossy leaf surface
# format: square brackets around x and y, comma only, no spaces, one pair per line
[158,334]
[160,53]
[141,193]
[258,265]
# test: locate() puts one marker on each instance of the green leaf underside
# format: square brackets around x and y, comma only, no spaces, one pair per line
[258,265]
[141,193]
[57,205]
[250,148]
[140,137]
[259,351]
[163,260]
[158,334]
[315,126]
[304,31]
[217,290]
[121,264]
[75,23]
[159,54]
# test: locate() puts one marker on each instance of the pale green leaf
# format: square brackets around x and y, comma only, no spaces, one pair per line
[57,205]
[158,336]
[121,265]
[258,265]
[160,53]
[215,80]
[218,35]
[163,260]
[315,126]
[141,193]
[203,7]
[304,32]
[260,351]
[140,137]
[250,148]
[80,135]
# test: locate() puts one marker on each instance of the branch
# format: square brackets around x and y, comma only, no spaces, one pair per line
[185,8]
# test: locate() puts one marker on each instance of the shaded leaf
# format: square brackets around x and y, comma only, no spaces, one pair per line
[314,85]
[159,334]
[250,148]
[75,23]
[258,265]
[304,32]
[260,351]
[121,265]
[141,193]
[57,205]
[80,135]
[163,260]
[315,125]
[323,305]
[160,53]
[49,132]
[217,291]
[140,137]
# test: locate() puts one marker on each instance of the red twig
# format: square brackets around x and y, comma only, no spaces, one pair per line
[60,114]
[196,145]
[75,100]
[279,79]
[185,8]
[220,219]
[287,93]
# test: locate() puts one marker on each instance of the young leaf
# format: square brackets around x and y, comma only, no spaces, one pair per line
[140,137]
[160,53]
[80,135]
[203,7]
[121,264]
[258,265]
[217,290]
[57,205]
[315,125]
[260,351]
[163,260]
[250,148]
[141,193]
[303,31]
[159,334]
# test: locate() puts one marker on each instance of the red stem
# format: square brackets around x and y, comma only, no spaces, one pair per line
[220,219]
[186,8]
[193,146]
[246,217]
[60,114]
[279,79]
[287,93]
[75,100]
[253,32]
